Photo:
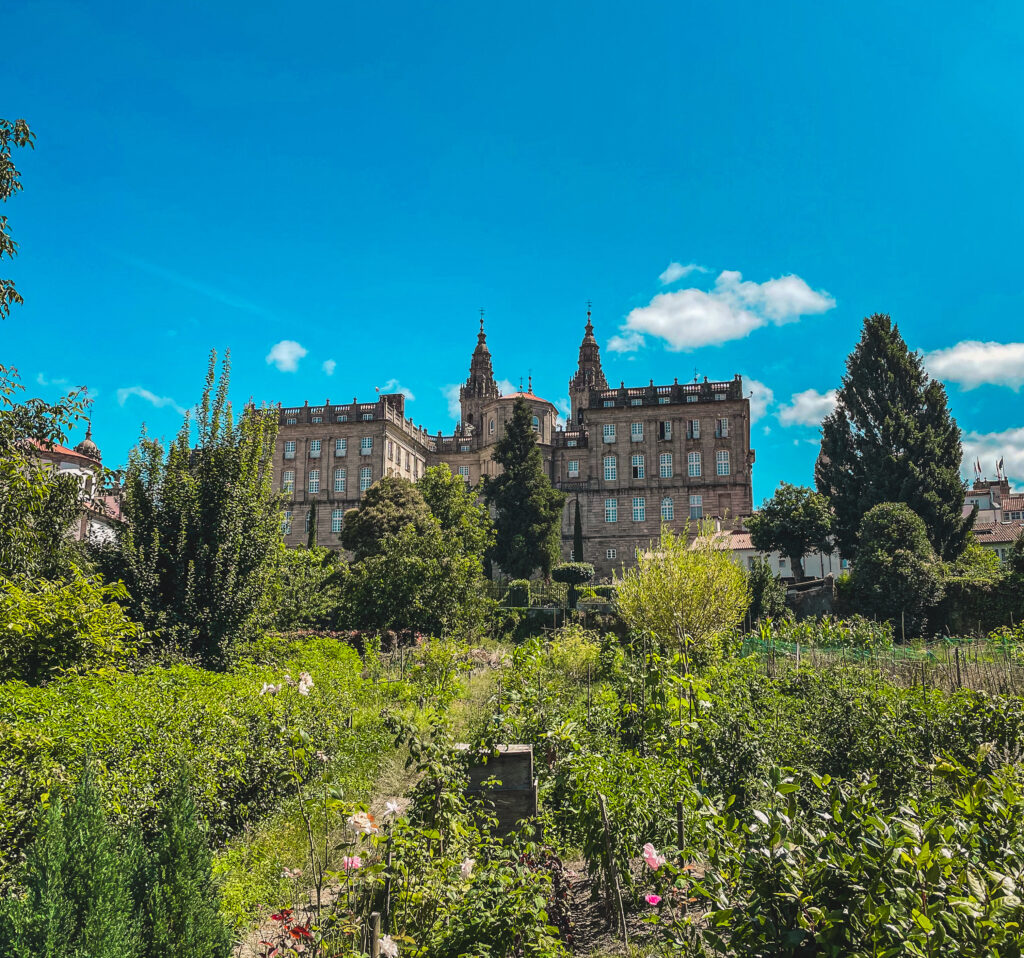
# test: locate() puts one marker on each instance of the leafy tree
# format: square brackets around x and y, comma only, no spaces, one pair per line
[386,508]
[199,544]
[457,508]
[13,135]
[181,907]
[976,563]
[309,588]
[573,574]
[311,536]
[1015,561]
[78,879]
[891,438]
[686,597]
[794,521]
[577,533]
[767,591]
[896,573]
[528,509]
[54,627]
[38,505]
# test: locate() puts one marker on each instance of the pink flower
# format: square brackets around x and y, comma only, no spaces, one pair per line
[653,859]
[652,900]
[351,862]
[291,873]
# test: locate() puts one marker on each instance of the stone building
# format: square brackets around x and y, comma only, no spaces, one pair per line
[1000,520]
[635,457]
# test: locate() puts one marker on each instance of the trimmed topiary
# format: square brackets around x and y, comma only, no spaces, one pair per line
[573,574]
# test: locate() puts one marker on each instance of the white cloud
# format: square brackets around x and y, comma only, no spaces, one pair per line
[731,309]
[43,381]
[286,354]
[989,447]
[329,366]
[676,271]
[761,398]
[807,408]
[972,364]
[451,394]
[152,398]
[506,388]
[394,386]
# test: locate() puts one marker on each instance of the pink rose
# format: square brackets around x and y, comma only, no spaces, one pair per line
[652,900]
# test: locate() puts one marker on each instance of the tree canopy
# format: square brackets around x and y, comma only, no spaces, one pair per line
[13,135]
[386,508]
[528,509]
[457,508]
[891,438]
[794,521]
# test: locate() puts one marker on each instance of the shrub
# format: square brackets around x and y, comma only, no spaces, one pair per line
[573,574]
[609,592]
[518,594]
[309,588]
[55,627]
[767,592]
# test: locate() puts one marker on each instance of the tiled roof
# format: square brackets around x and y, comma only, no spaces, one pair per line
[1000,533]
[55,451]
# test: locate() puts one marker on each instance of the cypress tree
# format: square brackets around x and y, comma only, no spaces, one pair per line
[311,537]
[528,509]
[577,534]
[891,438]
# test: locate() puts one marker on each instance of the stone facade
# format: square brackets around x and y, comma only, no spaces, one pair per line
[635,457]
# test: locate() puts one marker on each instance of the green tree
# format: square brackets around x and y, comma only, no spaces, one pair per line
[577,533]
[386,508]
[896,574]
[13,135]
[573,574]
[79,878]
[308,590]
[528,509]
[1015,560]
[202,527]
[891,438]
[767,592]
[38,505]
[457,508]
[311,535]
[794,521]
[688,598]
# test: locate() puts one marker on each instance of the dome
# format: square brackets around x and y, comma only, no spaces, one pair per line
[87,447]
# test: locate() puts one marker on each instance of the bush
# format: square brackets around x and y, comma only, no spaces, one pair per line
[55,627]
[309,588]
[573,574]
[767,592]
[609,592]
[518,594]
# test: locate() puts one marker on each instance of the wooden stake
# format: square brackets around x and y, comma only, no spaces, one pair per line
[612,873]
[679,825]
[386,904]
[374,934]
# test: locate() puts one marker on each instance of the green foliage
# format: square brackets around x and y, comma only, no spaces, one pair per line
[891,438]
[1015,561]
[385,510]
[896,575]
[577,533]
[199,544]
[457,509]
[767,591]
[573,574]
[528,509]
[53,627]
[975,563]
[308,590]
[518,594]
[311,535]
[13,135]
[686,598]
[38,505]
[794,521]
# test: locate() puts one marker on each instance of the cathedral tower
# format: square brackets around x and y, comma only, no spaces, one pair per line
[480,387]
[589,374]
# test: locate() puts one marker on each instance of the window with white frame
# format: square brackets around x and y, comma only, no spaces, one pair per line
[314,448]
[611,510]
[608,432]
[367,417]
[693,429]
[464,448]
[289,449]
[535,423]
[341,447]
[665,465]
[637,465]
[636,431]
[608,403]
[611,469]
[286,523]
[722,462]
[668,509]
[574,468]
[366,445]
[636,402]
[719,397]
[288,480]
[490,427]
[639,508]
[313,485]
[464,472]
[691,398]
[317,419]
[693,464]
[696,507]
[610,553]
[391,451]
[309,520]
[365,478]
[342,418]
[290,422]
[339,480]
[722,428]
[665,430]
[571,443]
[336,519]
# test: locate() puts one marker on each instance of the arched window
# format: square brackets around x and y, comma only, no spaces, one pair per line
[490,427]
[536,424]
[668,509]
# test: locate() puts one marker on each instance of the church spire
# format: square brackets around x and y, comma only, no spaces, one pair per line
[589,374]
[480,385]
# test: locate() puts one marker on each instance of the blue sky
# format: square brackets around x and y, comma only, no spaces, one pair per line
[361,178]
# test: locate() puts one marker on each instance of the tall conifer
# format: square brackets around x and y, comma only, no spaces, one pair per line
[891,438]
[577,534]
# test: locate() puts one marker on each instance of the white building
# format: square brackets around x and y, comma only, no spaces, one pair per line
[1000,520]
[816,565]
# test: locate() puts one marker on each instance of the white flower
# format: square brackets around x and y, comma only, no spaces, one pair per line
[291,873]
[467,867]
[269,689]
[389,947]
[321,755]
[363,823]
[305,683]
[391,808]
[288,679]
